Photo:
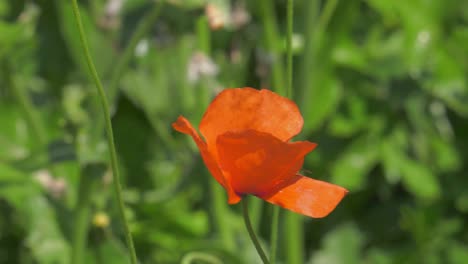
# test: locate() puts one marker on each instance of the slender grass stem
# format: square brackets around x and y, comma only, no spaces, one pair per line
[82,212]
[289,36]
[294,238]
[272,41]
[255,207]
[274,234]
[289,94]
[110,135]
[220,210]
[256,242]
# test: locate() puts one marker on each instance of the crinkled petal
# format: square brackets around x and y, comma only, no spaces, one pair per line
[247,108]
[308,197]
[259,163]
[183,125]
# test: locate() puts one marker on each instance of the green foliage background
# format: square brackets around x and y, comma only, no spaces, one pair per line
[382,86]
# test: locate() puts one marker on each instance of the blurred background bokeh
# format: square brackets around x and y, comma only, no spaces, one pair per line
[382,86]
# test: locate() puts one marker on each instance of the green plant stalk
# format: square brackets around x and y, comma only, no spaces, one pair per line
[82,215]
[203,35]
[220,211]
[110,135]
[289,36]
[271,40]
[307,67]
[253,237]
[274,234]
[289,94]
[142,29]
[294,238]
[325,16]
[255,207]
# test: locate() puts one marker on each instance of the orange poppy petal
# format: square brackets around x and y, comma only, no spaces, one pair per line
[183,125]
[247,108]
[259,163]
[308,197]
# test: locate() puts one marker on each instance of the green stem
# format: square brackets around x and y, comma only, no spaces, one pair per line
[294,238]
[255,207]
[88,176]
[219,214]
[81,224]
[324,19]
[274,234]
[289,65]
[219,207]
[110,135]
[289,94]
[142,29]
[256,242]
[271,42]
[293,222]
[307,67]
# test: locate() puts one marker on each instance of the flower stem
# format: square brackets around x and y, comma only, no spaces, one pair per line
[274,234]
[110,135]
[289,62]
[86,186]
[293,222]
[272,42]
[245,211]
[289,94]
[294,238]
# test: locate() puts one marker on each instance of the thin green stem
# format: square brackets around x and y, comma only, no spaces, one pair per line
[255,206]
[274,234]
[307,67]
[289,94]
[293,222]
[324,19]
[88,175]
[110,135]
[219,215]
[256,242]
[294,238]
[219,208]
[289,36]
[271,41]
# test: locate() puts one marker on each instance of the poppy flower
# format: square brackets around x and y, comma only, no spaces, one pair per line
[247,149]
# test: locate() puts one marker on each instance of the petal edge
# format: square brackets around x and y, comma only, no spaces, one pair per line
[309,197]
[183,125]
